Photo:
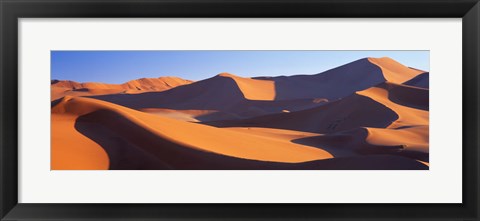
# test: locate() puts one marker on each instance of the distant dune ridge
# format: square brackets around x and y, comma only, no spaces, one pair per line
[372,113]
[61,88]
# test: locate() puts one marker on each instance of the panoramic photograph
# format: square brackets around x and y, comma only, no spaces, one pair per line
[239,110]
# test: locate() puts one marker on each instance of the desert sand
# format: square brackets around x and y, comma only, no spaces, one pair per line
[370,114]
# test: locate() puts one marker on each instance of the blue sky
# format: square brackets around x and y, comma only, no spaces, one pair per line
[122,66]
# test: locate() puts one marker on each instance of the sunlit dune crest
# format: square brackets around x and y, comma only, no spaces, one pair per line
[370,114]
[393,71]
[253,89]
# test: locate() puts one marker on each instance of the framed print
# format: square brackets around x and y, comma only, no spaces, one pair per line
[159,110]
[326,121]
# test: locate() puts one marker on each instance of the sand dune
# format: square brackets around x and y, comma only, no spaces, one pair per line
[155,84]
[61,88]
[332,84]
[216,93]
[407,116]
[393,119]
[410,142]
[414,97]
[245,97]
[225,96]
[385,106]
[253,89]
[351,112]
[151,134]
[73,151]
[342,81]
[159,143]
[393,71]
[372,113]
[413,138]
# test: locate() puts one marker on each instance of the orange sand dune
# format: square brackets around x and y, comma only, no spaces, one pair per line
[410,142]
[216,93]
[253,89]
[388,119]
[155,84]
[135,140]
[225,96]
[385,106]
[411,129]
[72,88]
[407,116]
[342,81]
[332,84]
[393,71]
[149,133]
[413,138]
[69,145]
[59,92]
[249,97]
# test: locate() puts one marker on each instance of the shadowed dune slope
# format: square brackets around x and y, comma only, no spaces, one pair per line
[351,112]
[342,81]
[421,80]
[241,110]
[410,96]
[332,84]
[61,88]
[217,93]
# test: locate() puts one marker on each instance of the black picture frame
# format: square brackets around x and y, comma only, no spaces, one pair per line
[12,10]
